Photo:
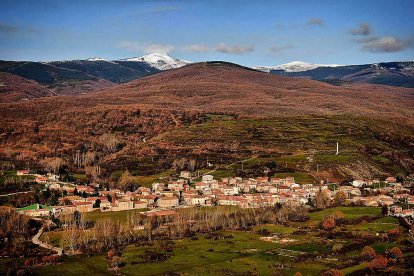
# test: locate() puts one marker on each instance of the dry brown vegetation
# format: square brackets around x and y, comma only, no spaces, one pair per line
[14,88]
[117,124]
[228,88]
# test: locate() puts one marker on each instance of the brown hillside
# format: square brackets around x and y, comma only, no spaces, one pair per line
[221,87]
[14,88]
[167,116]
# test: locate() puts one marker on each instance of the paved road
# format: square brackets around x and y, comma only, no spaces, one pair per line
[36,240]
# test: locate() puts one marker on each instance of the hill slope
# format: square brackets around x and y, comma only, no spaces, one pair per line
[220,110]
[229,88]
[14,88]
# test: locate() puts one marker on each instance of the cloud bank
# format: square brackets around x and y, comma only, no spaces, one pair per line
[234,49]
[386,44]
[133,46]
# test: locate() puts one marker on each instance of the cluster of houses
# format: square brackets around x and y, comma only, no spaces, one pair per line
[234,191]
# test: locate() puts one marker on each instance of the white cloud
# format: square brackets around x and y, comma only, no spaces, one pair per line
[200,48]
[363,29]
[234,49]
[386,44]
[146,48]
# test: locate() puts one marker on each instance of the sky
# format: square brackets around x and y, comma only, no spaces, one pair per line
[245,32]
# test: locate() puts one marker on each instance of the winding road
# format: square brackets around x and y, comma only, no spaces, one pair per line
[36,240]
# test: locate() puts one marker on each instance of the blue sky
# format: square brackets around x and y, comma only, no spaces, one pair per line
[245,32]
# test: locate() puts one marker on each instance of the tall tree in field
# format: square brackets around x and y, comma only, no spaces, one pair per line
[340,198]
[54,164]
[110,141]
[126,180]
[322,199]
[71,238]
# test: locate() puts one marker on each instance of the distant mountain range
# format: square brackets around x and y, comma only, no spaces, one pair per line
[294,66]
[75,77]
[386,73]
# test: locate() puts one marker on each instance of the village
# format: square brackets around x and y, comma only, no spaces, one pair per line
[163,197]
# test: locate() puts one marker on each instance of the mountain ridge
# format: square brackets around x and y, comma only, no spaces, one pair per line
[399,73]
[77,77]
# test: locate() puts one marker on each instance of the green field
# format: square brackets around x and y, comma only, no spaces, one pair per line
[349,212]
[300,178]
[243,251]
[120,216]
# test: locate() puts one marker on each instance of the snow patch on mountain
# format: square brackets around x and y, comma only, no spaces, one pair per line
[159,61]
[96,59]
[294,66]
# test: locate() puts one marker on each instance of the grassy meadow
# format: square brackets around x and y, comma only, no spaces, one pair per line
[243,252]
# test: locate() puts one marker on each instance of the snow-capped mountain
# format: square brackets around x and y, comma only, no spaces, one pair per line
[159,61]
[96,59]
[294,66]
[399,73]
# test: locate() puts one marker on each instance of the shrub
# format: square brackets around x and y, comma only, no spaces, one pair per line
[378,264]
[338,215]
[154,256]
[395,253]
[394,233]
[114,263]
[29,262]
[167,247]
[111,254]
[51,259]
[332,272]
[328,223]
[337,247]
[263,232]
[368,253]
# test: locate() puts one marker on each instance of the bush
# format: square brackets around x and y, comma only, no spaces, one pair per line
[378,264]
[339,216]
[332,272]
[394,233]
[337,247]
[51,259]
[167,247]
[368,253]
[154,256]
[111,254]
[395,253]
[30,262]
[328,223]
[264,232]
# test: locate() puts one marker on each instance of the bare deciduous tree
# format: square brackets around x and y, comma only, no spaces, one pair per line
[54,164]
[110,141]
